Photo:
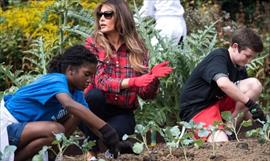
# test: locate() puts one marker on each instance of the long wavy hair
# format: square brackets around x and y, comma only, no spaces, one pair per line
[125,26]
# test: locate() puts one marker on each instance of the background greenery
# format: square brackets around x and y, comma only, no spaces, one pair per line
[34,31]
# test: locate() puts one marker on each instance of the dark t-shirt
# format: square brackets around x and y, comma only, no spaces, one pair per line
[200,90]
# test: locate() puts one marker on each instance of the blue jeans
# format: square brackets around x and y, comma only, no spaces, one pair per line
[14,132]
[119,118]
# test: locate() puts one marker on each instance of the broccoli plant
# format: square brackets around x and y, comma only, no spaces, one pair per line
[213,130]
[141,131]
[174,138]
[87,145]
[62,143]
[187,135]
[196,128]
[42,154]
[231,123]
[263,133]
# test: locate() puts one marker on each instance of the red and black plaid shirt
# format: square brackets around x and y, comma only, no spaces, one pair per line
[110,74]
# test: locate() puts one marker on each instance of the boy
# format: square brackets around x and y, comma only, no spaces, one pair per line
[220,83]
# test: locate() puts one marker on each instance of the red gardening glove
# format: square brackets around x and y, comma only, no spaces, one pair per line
[161,70]
[141,81]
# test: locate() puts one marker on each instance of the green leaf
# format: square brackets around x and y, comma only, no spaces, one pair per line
[42,154]
[226,115]
[60,137]
[247,123]
[175,131]
[138,148]
[198,143]
[140,129]
[203,133]
[253,133]
[87,145]
[187,141]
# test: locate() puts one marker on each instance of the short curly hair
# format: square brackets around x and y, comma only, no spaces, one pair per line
[76,56]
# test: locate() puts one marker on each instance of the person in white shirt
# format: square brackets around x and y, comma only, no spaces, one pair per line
[169,16]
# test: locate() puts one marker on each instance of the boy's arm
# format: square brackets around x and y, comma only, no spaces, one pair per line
[109,134]
[231,90]
[80,111]
[235,93]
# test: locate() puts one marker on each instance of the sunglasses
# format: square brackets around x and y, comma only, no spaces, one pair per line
[107,14]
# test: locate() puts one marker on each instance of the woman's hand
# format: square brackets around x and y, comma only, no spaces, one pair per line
[161,70]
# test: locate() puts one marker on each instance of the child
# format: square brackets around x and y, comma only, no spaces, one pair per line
[54,103]
[220,83]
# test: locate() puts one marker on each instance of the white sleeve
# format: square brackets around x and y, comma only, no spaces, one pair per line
[148,8]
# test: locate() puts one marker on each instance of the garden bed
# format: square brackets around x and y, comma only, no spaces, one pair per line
[246,150]
[230,151]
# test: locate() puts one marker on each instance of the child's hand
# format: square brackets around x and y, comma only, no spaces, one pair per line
[257,113]
[111,139]
[255,110]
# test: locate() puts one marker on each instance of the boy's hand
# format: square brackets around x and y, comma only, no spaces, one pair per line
[257,113]
[255,110]
[111,139]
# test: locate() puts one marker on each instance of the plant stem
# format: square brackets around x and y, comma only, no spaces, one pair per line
[214,148]
[184,151]
[236,134]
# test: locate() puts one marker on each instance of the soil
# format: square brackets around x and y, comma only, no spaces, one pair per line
[245,150]
[248,149]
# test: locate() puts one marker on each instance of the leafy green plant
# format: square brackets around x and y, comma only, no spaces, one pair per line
[263,134]
[231,123]
[61,8]
[42,154]
[73,20]
[164,109]
[35,58]
[174,138]
[140,136]
[213,131]
[196,128]
[8,150]
[62,143]
[87,145]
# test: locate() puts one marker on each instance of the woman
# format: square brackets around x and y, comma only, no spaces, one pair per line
[122,72]
[54,103]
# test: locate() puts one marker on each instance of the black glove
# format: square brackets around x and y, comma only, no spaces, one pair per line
[125,147]
[111,139]
[255,110]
